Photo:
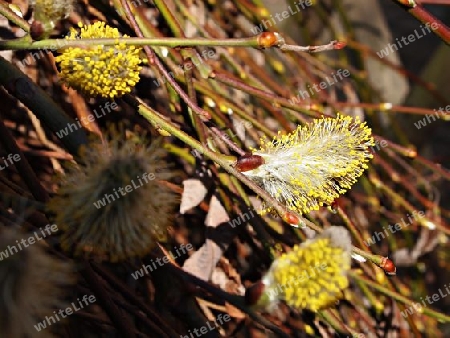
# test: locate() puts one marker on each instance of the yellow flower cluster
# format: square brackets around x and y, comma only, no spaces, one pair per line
[314,164]
[107,71]
[312,275]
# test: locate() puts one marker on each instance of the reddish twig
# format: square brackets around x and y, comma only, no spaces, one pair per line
[421,14]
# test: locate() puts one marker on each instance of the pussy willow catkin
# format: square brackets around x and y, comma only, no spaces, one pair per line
[314,164]
[107,71]
[312,275]
[113,206]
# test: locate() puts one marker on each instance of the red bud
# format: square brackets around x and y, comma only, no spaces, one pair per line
[339,44]
[249,162]
[267,39]
[388,266]
[291,218]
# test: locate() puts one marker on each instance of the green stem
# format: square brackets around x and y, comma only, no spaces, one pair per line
[333,322]
[429,312]
[11,16]
[167,42]
[171,20]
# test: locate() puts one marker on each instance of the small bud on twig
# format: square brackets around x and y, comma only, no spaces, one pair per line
[388,266]
[249,162]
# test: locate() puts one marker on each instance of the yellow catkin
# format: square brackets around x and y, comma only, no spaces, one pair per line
[107,71]
[314,164]
[312,275]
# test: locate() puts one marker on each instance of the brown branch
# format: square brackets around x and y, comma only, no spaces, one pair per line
[421,14]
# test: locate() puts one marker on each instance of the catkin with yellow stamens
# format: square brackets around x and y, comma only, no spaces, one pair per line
[315,164]
[312,275]
[107,71]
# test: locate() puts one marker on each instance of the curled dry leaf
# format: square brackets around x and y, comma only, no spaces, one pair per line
[202,263]
[216,213]
[193,194]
